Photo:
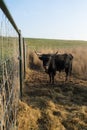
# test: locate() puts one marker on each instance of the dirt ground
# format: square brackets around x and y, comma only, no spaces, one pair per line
[62,106]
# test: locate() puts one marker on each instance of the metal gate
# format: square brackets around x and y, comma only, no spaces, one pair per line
[11,69]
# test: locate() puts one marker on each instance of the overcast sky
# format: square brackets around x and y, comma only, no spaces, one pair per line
[55,19]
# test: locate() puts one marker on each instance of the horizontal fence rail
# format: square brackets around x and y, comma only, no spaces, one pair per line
[7,13]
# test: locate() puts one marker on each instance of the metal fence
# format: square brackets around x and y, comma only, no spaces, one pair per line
[11,69]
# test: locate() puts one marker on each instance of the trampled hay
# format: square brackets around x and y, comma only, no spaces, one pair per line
[62,106]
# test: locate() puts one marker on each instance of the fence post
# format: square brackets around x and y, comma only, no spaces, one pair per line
[24,57]
[20,64]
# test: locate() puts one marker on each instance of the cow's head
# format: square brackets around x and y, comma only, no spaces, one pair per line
[68,59]
[70,56]
[45,58]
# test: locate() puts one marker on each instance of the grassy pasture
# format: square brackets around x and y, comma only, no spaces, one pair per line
[34,43]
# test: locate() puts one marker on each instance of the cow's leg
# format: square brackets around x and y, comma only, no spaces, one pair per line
[67,73]
[70,70]
[53,76]
[50,78]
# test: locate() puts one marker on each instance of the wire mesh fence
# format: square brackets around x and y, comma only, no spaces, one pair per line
[10,70]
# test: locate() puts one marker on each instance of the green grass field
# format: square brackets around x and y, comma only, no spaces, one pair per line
[34,43]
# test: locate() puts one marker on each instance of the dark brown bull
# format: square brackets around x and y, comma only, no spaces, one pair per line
[56,62]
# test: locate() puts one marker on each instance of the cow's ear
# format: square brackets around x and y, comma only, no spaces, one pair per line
[40,57]
[71,56]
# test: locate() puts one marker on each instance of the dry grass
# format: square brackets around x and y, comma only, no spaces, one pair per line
[79,61]
[27,117]
[62,106]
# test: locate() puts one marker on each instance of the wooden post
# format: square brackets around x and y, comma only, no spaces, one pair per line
[20,64]
[24,57]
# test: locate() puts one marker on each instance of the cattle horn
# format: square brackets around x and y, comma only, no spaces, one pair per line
[56,53]
[38,54]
